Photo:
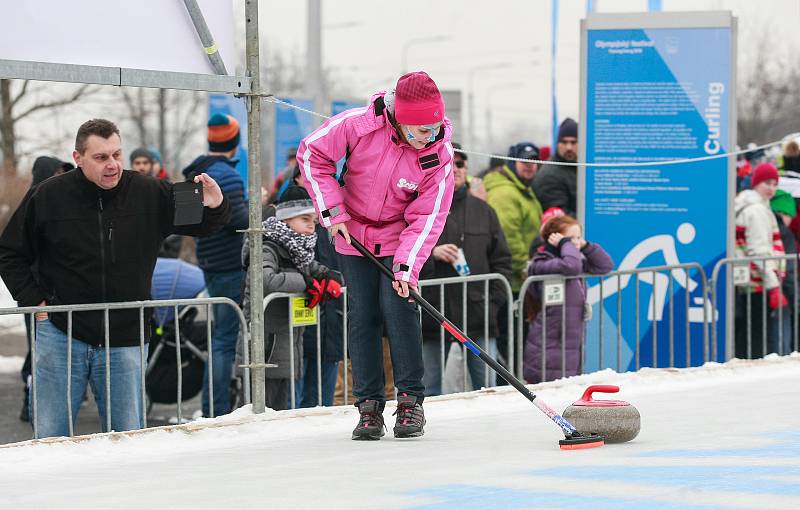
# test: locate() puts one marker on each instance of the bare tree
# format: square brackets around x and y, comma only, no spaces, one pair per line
[166,119]
[283,75]
[188,113]
[138,105]
[767,100]
[20,104]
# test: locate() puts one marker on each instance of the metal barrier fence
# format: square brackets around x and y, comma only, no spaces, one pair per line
[30,312]
[552,290]
[464,281]
[553,293]
[259,376]
[740,292]
[441,283]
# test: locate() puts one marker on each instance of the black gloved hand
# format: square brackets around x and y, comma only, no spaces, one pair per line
[335,276]
[325,273]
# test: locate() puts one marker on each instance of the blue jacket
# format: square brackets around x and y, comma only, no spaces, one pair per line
[222,252]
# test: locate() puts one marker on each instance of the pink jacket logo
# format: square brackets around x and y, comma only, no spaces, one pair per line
[402,183]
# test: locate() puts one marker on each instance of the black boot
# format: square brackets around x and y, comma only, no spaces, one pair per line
[410,417]
[370,425]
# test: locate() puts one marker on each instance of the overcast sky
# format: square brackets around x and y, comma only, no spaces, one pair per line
[500,47]
[364,42]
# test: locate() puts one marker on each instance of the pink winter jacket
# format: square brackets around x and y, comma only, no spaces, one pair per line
[395,199]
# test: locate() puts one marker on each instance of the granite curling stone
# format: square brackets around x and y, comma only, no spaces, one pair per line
[616,420]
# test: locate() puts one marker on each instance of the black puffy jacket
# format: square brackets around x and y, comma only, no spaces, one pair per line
[473,226]
[557,186]
[71,242]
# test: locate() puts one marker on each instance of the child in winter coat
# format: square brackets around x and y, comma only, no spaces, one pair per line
[565,253]
[757,235]
[289,266]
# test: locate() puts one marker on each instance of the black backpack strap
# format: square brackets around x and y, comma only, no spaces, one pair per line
[379,105]
[344,168]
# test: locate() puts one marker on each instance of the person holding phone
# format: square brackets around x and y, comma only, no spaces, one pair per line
[92,236]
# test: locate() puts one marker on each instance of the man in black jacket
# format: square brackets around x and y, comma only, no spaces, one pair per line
[473,227]
[92,236]
[557,185]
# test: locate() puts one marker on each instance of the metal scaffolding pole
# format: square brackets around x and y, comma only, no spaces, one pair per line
[254,183]
[209,45]
[314,83]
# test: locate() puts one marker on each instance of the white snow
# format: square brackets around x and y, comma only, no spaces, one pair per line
[11,364]
[718,436]
[14,323]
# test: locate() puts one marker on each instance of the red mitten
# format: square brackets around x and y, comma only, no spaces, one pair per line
[777,299]
[333,290]
[316,292]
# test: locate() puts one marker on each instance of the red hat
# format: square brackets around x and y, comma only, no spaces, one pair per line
[553,212]
[544,152]
[764,172]
[417,100]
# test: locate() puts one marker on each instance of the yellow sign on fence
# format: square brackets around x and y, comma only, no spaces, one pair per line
[301,315]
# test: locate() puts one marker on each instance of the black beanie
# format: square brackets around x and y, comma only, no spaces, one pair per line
[568,129]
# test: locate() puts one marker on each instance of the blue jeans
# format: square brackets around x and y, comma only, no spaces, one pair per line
[372,305]
[88,366]
[432,354]
[223,339]
[306,386]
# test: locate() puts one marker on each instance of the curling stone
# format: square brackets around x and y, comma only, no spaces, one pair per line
[616,420]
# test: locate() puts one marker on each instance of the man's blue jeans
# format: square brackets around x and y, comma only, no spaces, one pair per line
[223,340]
[88,366]
[478,370]
[372,305]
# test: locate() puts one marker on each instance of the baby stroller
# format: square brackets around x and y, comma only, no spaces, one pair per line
[176,279]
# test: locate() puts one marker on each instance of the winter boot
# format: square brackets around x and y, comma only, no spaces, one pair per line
[370,425]
[410,417]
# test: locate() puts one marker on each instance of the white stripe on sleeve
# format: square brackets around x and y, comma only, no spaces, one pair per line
[412,255]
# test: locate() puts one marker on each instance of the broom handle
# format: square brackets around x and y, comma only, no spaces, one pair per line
[476,349]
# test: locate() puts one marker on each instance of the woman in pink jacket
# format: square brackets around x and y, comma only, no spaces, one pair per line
[393,196]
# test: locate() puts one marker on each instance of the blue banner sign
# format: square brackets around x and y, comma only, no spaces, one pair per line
[654,95]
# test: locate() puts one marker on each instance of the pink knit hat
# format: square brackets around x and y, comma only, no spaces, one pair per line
[764,172]
[418,101]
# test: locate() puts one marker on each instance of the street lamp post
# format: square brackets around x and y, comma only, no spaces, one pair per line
[419,40]
[314,79]
[314,86]
[471,96]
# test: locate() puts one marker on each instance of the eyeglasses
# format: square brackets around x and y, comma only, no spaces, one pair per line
[459,163]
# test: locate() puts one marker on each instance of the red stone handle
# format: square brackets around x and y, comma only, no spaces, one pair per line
[599,388]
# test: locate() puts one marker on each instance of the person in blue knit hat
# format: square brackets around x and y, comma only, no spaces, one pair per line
[219,256]
[159,172]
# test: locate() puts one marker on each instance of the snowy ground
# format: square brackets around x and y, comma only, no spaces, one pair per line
[721,436]
[9,323]
[11,364]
